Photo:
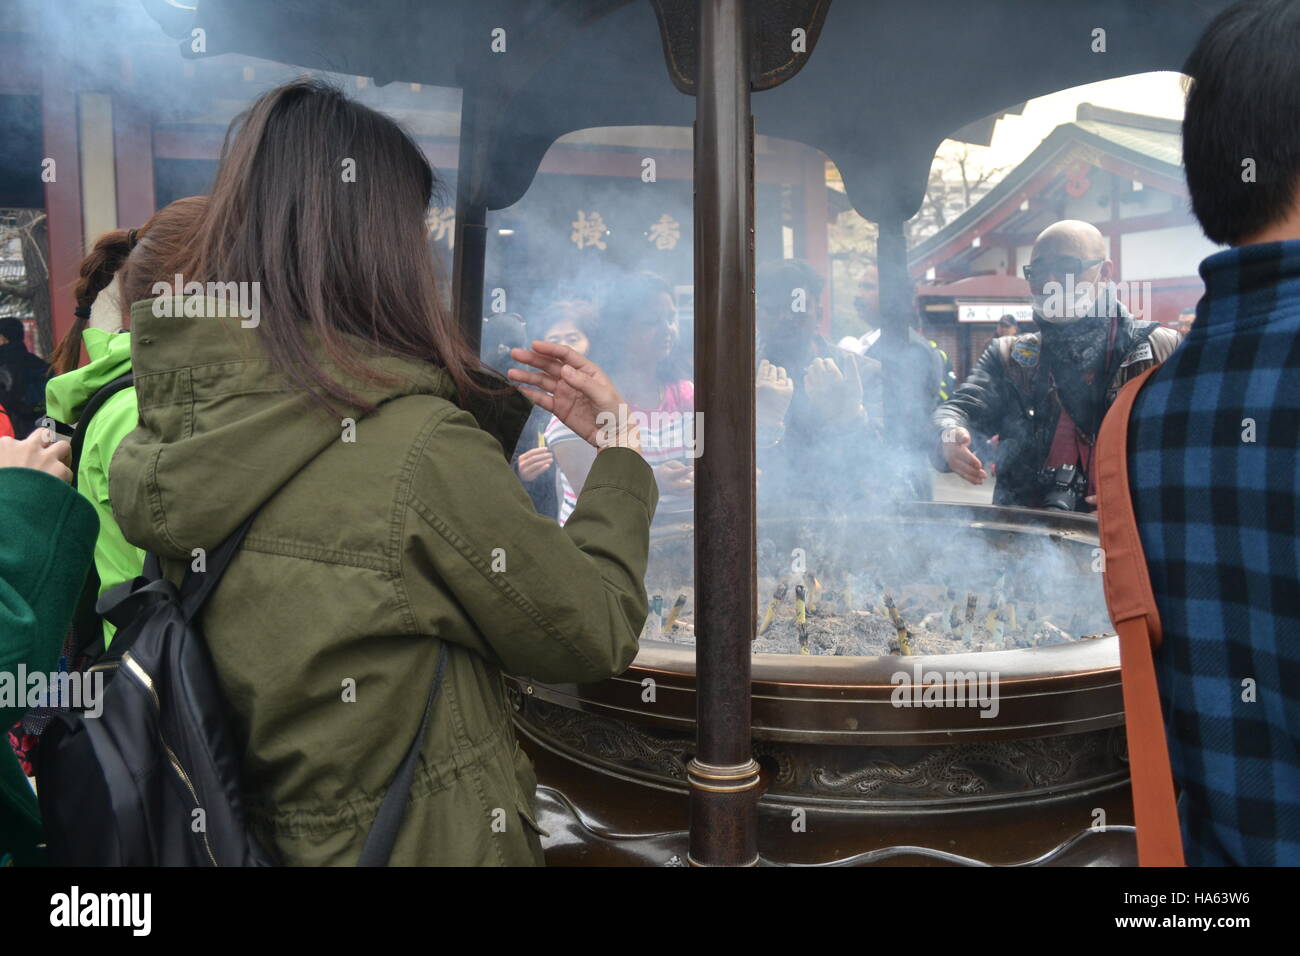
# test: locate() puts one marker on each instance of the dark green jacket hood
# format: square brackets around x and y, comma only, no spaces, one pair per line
[221,431]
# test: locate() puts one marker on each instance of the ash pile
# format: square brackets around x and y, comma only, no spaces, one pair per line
[930,590]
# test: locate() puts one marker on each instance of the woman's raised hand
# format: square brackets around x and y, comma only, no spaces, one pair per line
[574,389]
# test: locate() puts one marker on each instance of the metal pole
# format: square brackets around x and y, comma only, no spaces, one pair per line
[723,775]
[471,225]
[895,322]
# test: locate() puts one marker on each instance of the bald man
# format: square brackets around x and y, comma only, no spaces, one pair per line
[1045,392]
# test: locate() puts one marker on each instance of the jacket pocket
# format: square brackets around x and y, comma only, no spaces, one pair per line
[526,790]
[529,816]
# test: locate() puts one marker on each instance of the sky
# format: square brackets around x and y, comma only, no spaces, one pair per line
[1015,137]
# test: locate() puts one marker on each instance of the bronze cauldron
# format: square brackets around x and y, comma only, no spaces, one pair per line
[850,776]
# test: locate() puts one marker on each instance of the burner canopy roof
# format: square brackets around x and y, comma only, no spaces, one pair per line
[878,86]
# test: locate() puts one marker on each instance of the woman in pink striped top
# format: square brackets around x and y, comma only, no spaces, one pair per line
[636,344]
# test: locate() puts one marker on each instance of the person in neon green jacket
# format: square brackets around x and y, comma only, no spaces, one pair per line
[116,559]
[123,261]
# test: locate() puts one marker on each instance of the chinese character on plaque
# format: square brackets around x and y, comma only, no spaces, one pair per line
[665,233]
[441,223]
[588,230]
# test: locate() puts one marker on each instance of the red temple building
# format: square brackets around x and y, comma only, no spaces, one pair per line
[1120,171]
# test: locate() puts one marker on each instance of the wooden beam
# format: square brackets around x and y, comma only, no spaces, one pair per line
[62,193]
[133,144]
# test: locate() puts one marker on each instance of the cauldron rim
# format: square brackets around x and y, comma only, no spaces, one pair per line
[1043,691]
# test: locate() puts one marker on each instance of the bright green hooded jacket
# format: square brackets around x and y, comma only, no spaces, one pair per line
[66,395]
[378,539]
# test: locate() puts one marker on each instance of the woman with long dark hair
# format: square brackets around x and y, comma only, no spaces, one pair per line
[344,414]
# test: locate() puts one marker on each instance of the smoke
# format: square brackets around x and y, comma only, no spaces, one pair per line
[605,205]
[117,47]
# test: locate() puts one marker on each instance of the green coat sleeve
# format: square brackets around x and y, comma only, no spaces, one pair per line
[484,569]
[45,551]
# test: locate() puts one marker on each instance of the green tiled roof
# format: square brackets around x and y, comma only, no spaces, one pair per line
[1165,147]
[1151,148]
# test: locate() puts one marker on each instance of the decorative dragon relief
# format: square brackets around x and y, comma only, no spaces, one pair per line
[881,773]
[612,741]
[964,770]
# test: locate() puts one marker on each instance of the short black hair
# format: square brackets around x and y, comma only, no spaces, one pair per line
[627,298]
[12,329]
[1243,103]
[502,331]
[622,306]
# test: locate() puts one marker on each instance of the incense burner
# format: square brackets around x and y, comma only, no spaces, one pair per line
[992,756]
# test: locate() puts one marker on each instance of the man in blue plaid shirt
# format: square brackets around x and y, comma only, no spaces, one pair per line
[1212,456]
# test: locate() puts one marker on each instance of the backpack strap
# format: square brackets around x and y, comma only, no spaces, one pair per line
[378,848]
[1132,605]
[197,586]
[379,844]
[119,605]
[102,395]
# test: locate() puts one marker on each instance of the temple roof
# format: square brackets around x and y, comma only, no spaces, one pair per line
[1148,149]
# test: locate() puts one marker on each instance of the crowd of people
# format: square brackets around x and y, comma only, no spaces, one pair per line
[397,493]
[816,402]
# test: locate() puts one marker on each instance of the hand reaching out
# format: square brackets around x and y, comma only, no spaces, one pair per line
[960,458]
[773,391]
[574,389]
[836,395]
[676,478]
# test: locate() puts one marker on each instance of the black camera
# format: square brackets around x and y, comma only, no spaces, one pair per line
[1065,486]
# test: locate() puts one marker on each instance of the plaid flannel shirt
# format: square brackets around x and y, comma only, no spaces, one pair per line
[1212,461]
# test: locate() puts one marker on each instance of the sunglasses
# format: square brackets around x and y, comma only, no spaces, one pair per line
[1062,266]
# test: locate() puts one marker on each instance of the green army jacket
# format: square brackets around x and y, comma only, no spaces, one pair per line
[376,538]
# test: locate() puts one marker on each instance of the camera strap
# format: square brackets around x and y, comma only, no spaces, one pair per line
[1131,602]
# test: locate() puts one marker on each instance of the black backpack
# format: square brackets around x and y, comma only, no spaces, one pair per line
[153,778]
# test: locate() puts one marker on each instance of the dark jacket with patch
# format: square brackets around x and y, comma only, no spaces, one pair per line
[1010,394]
[824,467]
